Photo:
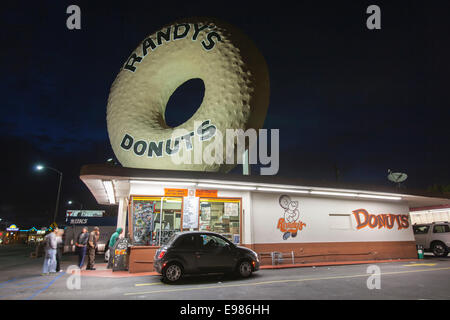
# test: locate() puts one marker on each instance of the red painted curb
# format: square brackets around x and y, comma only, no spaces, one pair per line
[333,263]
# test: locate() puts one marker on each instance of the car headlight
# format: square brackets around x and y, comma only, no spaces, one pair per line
[256,255]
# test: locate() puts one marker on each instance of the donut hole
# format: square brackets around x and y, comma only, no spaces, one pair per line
[184,102]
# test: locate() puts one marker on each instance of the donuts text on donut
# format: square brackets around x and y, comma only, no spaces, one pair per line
[172,146]
[180,31]
[213,153]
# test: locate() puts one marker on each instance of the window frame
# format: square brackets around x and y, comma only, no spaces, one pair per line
[445,226]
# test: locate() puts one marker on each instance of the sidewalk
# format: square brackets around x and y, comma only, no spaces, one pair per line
[102,271]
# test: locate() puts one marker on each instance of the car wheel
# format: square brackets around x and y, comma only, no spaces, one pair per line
[172,273]
[244,269]
[439,249]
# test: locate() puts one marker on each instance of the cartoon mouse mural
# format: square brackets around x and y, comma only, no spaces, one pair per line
[289,225]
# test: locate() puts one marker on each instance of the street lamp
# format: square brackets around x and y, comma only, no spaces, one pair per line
[71,202]
[41,167]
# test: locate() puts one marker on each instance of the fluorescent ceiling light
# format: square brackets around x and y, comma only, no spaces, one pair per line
[164,183]
[359,195]
[339,194]
[109,191]
[282,190]
[238,183]
[439,210]
[373,196]
[221,186]
[430,211]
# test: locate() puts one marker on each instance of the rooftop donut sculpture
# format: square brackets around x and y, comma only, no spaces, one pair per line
[236,96]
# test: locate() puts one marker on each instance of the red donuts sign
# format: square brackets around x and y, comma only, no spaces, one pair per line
[364,219]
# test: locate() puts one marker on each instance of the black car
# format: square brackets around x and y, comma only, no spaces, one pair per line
[203,252]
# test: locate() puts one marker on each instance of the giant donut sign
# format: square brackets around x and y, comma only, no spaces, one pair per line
[236,95]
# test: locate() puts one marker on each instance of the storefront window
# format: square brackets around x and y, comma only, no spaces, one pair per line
[221,216]
[151,225]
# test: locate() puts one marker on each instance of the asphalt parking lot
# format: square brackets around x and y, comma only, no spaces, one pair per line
[427,279]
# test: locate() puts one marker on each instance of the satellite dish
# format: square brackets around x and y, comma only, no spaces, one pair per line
[397,177]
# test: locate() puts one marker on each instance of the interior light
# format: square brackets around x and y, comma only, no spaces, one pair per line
[282,190]
[164,183]
[339,194]
[430,211]
[373,196]
[109,191]
[221,186]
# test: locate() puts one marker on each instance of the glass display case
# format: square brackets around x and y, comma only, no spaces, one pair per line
[221,216]
[152,226]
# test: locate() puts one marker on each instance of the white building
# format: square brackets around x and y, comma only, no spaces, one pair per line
[307,223]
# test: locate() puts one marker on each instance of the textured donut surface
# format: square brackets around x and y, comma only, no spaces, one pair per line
[236,95]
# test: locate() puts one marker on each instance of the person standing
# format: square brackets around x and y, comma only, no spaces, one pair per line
[81,245]
[50,253]
[111,244]
[92,246]
[59,249]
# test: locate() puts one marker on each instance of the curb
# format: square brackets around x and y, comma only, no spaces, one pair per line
[334,263]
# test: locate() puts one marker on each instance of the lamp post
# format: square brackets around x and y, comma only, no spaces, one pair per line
[40,168]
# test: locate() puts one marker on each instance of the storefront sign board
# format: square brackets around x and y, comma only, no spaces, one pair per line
[170,192]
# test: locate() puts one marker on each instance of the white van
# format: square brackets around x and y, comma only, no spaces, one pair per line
[434,237]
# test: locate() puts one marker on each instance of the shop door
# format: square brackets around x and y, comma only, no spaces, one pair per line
[185,249]
[214,254]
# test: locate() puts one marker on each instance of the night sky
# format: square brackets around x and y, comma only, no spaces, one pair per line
[343,96]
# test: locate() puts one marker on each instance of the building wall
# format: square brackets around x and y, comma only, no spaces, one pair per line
[320,226]
[329,227]
[329,238]
[154,190]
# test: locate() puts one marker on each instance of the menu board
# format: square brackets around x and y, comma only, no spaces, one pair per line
[120,252]
[190,212]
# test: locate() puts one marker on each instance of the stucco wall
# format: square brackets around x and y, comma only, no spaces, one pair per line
[320,227]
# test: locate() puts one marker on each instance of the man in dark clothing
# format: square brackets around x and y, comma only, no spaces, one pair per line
[92,245]
[81,245]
